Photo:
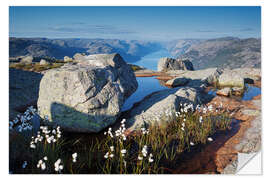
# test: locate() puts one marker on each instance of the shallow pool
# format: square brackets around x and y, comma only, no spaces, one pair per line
[250,92]
[146,86]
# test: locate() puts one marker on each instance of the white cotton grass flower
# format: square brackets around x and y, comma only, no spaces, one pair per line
[140,158]
[23,122]
[24,164]
[210,139]
[41,164]
[33,146]
[123,152]
[45,158]
[112,148]
[144,151]
[191,143]
[150,159]
[45,136]
[106,155]
[58,166]
[111,155]
[123,121]
[201,119]
[74,157]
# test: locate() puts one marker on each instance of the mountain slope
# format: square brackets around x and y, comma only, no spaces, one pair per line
[58,48]
[224,52]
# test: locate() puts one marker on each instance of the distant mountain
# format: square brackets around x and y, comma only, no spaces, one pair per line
[130,50]
[228,52]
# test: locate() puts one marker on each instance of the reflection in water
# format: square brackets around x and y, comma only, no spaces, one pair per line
[250,92]
[146,86]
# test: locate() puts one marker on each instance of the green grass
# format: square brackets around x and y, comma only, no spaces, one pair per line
[135,67]
[35,66]
[165,142]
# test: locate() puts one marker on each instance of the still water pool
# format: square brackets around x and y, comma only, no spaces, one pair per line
[146,86]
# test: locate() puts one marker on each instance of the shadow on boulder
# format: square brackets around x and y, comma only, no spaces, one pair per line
[71,120]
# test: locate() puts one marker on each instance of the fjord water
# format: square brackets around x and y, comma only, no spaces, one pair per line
[150,61]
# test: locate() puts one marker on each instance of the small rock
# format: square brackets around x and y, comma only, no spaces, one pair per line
[224,92]
[177,82]
[43,62]
[237,91]
[67,59]
[27,60]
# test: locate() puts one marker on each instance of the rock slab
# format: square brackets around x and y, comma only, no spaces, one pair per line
[160,106]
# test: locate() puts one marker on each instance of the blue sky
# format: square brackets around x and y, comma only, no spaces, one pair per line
[140,23]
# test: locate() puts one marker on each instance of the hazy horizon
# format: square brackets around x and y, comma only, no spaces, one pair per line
[135,23]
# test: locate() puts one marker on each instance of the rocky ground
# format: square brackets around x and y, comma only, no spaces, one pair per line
[87,96]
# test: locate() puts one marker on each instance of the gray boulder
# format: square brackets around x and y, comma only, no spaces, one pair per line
[78,56]
[27,60]
[179,81]
[67,59]
[166,64]
[199,77]
[231,79]
[160,107]
[87,96]
[248,74]
[43,62]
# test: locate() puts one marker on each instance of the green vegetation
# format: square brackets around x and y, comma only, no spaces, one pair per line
[135,67]
[36,66]
[155,149]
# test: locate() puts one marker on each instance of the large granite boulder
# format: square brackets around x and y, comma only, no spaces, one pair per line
[199,77]
[86,96]
[27,60]
[166,64]
[249,74]
[160,107]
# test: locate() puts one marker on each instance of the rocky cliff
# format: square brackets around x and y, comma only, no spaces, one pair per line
[228,52]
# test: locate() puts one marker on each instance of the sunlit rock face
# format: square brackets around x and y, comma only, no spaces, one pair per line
[160,107]
[86,96]
[166,64]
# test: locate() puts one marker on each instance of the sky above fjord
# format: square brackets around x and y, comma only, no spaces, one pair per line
[140,23]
